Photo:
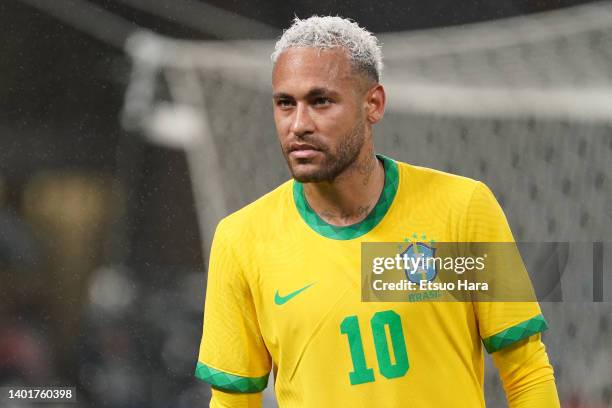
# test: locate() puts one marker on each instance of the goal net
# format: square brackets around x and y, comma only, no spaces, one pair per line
[523,104]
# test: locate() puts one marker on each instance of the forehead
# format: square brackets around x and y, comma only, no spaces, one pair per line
[304,68]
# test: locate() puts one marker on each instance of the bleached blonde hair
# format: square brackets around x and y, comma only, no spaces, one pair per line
[324,32]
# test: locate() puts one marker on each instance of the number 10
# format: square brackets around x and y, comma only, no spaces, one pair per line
[361,373]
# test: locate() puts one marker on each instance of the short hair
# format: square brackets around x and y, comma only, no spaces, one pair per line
[324,32]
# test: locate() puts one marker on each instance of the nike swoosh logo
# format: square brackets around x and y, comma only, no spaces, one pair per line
[281,300]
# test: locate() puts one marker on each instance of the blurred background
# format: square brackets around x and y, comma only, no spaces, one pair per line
[129,127]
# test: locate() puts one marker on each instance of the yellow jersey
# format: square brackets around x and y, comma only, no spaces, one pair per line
[284,295]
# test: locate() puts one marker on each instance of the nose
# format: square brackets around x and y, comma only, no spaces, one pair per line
[302,122]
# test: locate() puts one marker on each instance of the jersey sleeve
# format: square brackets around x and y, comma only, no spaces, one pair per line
[501,323]
[233,356]
[222,399]
[527,375]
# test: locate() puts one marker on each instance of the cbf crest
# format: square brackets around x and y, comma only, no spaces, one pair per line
[419,263]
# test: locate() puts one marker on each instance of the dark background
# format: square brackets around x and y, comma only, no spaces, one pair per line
[61,143]
[61,92]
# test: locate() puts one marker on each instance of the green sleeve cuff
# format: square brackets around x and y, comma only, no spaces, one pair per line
[230,382]
[515,333]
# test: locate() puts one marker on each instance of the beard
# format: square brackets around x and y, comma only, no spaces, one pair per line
[334,163]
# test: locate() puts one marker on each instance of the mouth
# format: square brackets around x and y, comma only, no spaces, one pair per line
[303,151]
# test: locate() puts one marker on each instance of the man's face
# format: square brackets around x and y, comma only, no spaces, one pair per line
[318,111]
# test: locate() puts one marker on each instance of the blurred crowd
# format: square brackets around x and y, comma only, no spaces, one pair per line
[124,335]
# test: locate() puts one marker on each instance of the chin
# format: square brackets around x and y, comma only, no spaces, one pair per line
[305,176]
[307,173]
[312,176]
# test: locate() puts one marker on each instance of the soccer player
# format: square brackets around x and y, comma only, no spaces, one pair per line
[284,278]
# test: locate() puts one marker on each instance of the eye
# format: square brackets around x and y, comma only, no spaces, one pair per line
[284,103]
[322,101]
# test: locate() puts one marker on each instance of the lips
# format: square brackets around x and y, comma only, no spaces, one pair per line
[302,150]
[301,146]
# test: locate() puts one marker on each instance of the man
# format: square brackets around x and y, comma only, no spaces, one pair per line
[283,290]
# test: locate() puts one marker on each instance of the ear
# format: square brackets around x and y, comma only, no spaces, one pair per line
[375,103]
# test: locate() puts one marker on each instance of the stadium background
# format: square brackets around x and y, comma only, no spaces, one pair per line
[128,127]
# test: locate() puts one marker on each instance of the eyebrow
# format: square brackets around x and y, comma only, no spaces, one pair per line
[313,93]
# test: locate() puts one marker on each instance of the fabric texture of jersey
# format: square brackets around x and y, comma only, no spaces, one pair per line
[284,295]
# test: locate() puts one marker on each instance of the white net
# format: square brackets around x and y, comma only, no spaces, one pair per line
[523,104]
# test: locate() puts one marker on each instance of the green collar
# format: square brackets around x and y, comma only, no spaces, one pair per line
[361,228]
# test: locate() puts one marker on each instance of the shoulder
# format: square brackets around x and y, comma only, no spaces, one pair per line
[259,215]
[424,181]
[466,206]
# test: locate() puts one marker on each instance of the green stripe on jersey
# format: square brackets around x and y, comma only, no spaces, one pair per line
[361,228]
[230,382]
[515,333]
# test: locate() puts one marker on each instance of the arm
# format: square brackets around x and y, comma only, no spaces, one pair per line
[519,354]
[526,374]
[233,358]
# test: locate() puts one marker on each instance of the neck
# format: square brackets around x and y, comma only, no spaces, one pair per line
[350,197]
